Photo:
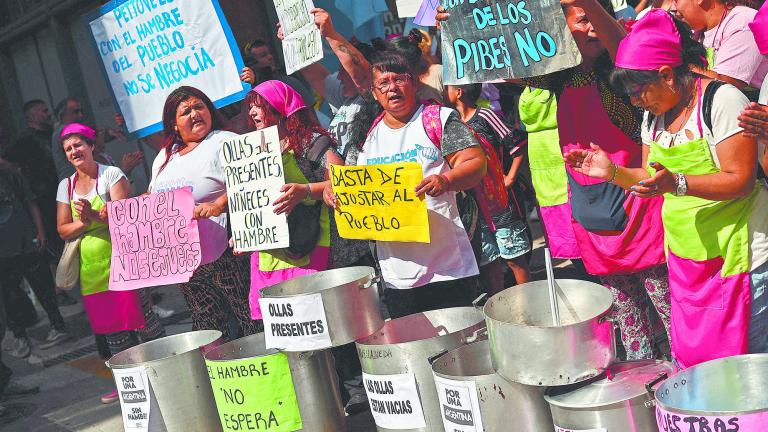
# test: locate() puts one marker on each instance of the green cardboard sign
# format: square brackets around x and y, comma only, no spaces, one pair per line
[255,394]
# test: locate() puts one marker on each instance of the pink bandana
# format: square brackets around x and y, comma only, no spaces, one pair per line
[281,96]
[77,128]
[653,42]
[760,29]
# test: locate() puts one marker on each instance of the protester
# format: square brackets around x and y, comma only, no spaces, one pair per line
[617,233]
[429,76]
[308,150]
[258,57]
[507,238]
[21,255]
[193,139]
[348,92]
[418,276]
[714,213]
[82,214]
[732,55]
[9,388]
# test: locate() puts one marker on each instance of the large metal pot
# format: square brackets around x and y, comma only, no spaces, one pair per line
[406,345]
[727,394]
[313,374]
[620,401]
[526,347]
[182,400]
[497,398]
[350,300]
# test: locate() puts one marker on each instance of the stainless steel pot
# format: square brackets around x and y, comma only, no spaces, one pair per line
[622,402]
[526,347]
[314,380]
[182,399]
[497,397]
[405,345]
[350,300]
[727,394]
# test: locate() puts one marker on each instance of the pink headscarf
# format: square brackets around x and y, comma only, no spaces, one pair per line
[653,42]
[77,128]
[760,29]
[281,96]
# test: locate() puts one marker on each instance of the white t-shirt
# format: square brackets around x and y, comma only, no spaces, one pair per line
[763,99]
[726,107]
[202,171]
[344,112]
[449,255]
[108,177]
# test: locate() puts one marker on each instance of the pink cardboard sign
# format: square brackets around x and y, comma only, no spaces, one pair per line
[671,422]
[155,241]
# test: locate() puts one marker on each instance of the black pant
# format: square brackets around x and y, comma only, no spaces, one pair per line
[5,371]
[20,311]
[435,295]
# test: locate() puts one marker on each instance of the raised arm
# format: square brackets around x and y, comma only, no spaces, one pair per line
[351,59]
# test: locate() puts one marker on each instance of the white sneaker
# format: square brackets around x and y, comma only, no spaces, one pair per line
[21,348]
[163,313]
[54,338]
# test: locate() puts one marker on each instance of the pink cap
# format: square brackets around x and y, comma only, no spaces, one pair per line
[760,29]
[281,96]
[653,42]
[77,128]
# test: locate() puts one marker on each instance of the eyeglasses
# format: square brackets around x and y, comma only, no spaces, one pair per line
[399,81]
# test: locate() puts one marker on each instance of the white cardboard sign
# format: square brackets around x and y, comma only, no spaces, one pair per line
[395,402]
[459,405]
[149,48]
[302,44]
[135,399]
[295,323]
[253,168]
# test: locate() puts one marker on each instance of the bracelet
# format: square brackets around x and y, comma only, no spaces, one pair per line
[615,172]
[309,191]
[444,180]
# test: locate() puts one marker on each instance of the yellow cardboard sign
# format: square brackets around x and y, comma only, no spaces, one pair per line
[377,202]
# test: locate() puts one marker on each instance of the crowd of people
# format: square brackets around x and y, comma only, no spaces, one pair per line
[646,163]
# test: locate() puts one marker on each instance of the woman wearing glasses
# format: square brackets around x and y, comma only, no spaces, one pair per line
[443,273]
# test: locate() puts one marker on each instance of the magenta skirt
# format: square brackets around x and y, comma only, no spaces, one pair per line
[114,311]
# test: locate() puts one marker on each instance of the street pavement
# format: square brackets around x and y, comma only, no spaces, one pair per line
[72,377]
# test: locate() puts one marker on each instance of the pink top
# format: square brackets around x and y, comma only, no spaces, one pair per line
[736,53]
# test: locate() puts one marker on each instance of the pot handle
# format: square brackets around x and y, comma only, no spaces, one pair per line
[476,335]
[436,356]
[479,302]
[374,280]
[651,392]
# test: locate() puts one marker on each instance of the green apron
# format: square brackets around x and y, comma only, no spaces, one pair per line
[95,252]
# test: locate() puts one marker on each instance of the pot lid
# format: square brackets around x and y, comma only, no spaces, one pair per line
[621,382]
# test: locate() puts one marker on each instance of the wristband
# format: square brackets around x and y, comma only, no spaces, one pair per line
[444,180]
[309,192]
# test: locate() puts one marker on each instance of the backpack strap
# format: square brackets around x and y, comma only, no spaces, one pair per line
[375,123]
[433,125]
[319,146]
[707,102]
